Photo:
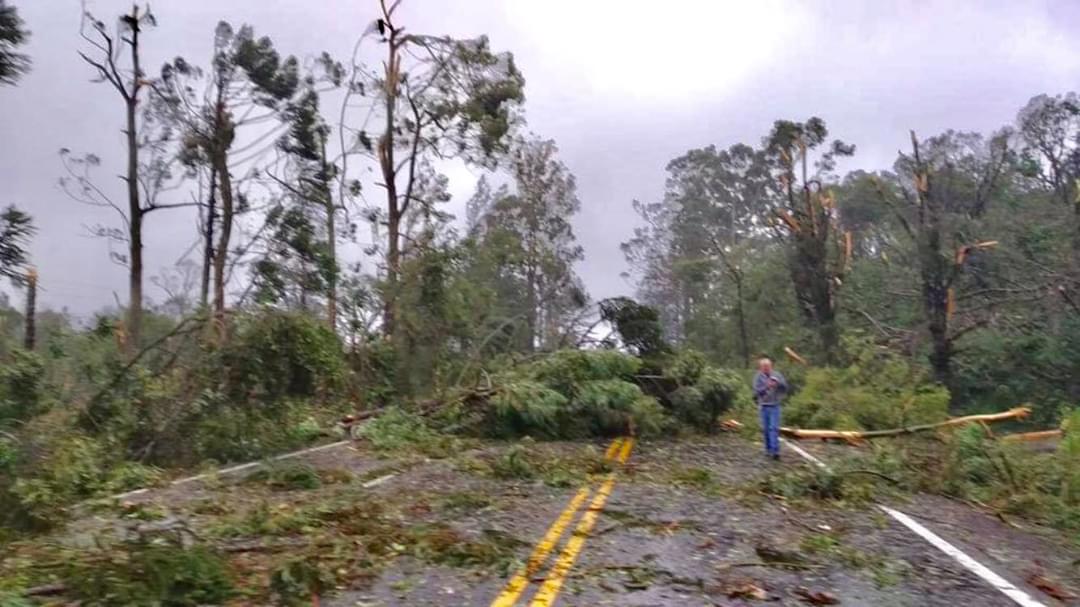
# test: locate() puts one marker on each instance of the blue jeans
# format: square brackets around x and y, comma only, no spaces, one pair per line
[770,426]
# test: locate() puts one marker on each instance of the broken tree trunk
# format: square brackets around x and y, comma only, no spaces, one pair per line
[1025,437]
[850,435]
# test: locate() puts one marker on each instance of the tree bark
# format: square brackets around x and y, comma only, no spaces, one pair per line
[331,243]
[30,332]
[934,268]
[208,241]
[222,252]
[135,210]
[389,174]
[744,338]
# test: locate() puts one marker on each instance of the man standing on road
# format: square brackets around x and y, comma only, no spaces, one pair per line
[769,388]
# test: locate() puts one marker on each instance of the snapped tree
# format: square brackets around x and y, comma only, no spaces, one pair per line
[437,96]
[808,222]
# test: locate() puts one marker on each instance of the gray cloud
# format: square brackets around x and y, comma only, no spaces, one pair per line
[622,86]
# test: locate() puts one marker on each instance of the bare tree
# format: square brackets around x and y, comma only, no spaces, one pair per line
[105,53]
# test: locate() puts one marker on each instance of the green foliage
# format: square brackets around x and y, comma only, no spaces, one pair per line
[376,365]
[22,389]
[224,433]
[513,465]
[151,572]
[704,392]
[571,394]
[277,355]
[465,501]
[638,325]
[879,390]
[686,366]
[13,599]
[396,430]
[1069,453]
[16,227]
[525,407]
[969,464]
[610,407]
[1000,371]
[74,469]
[564,370]
[813,483]
[442,545]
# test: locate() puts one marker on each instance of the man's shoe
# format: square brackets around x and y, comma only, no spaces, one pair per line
[775,456]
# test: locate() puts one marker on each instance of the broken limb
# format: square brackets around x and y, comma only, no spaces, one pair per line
[851,435]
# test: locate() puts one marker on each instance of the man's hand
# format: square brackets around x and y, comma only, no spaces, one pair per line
[773,383]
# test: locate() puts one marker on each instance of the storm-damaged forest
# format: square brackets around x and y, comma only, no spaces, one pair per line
[381,266]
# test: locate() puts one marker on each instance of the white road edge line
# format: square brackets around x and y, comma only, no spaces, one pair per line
[995,580]
[1001,584]
[229,470]
[375,482]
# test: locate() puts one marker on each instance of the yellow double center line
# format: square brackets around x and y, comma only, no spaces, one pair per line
[619,450]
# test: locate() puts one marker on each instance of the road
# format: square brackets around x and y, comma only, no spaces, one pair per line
[665,523]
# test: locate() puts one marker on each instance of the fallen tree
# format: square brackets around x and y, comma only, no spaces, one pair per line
[852,435]
[1026,437]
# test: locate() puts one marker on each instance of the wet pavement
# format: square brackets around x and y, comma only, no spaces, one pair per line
[684,525]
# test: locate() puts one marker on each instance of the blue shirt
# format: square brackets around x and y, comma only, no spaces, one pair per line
[765,395]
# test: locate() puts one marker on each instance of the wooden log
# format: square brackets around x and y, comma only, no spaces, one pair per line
[793,355]
[1034,436]
[851,435]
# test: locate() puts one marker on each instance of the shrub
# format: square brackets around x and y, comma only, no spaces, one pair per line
[397,430]
[1069,453]
[74,469]
[278,355]
[704,392]
[376,364]
[879,390]
[158,571]
[21,386]
[514,464]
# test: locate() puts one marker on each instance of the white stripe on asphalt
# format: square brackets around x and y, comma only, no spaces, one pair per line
[375,482]
[806,455]
[229,470]
[995,580]
[1001,584]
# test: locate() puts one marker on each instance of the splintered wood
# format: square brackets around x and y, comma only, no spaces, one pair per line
[856,436]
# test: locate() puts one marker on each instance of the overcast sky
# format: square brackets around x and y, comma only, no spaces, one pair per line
[623,86]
